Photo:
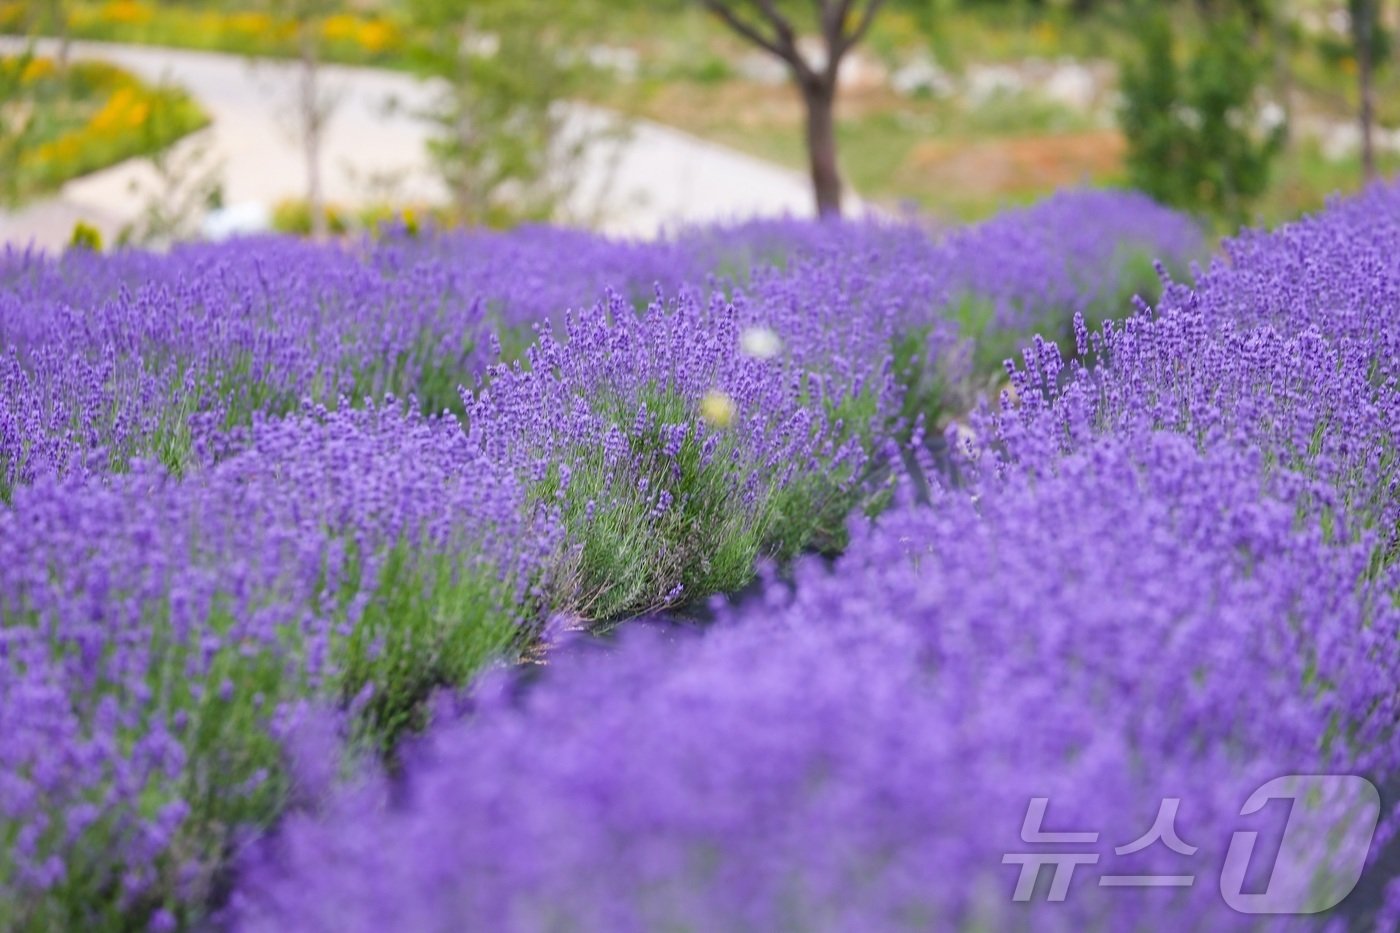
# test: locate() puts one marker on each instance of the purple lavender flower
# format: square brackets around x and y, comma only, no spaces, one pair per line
[1168,574]
[234,555]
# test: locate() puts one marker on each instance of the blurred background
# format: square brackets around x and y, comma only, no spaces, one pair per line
[148,121]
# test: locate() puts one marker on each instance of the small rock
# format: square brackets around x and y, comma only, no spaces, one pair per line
[761,68]
[985,82]
[1072,85]
[619,60]
[922,75]
[236,220]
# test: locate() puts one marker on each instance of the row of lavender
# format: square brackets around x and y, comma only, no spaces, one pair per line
[1165,579]
[225,514]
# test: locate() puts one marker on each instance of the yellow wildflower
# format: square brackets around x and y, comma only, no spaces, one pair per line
[339,27]
[37,69]
[717,408]
[376,36]
[127,12]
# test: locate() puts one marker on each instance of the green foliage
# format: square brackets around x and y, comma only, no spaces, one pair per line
[1337,52]
[187,184]
[59,121]
[934,388]
[712,70]
[16,126]
[1136,275]
[433,621]
[1368,26]
[1194,139]
[294,217]
[991,343]
[502,146]
[922,373]
[405,620]
[85,236]
[244,27]
[636,556]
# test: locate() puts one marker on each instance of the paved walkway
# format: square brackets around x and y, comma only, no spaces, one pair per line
[643,181]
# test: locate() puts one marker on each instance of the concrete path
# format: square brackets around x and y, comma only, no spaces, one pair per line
[637,183]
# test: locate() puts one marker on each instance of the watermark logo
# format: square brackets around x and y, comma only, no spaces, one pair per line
[1331,821]
[1335,814]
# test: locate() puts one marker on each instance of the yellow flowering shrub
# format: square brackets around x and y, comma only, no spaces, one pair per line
[294,216]
[349,36]
[125,109]
[255,25]
[371,35]
[62,151]
[340,27]
[376,35]
[36,70]
[91,115]
[127,12]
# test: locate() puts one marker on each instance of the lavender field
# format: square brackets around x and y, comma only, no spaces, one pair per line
[759,578]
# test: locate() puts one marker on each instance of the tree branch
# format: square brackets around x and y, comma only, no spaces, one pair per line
[744,28]
[833,18]
[862,26]
[781,26]
[783,42]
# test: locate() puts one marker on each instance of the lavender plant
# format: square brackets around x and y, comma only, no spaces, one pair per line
[1165,579]
[157,633]
[1032,270]
[858,749]
[1316,396]
[233,502]
[111,357]
[677,457]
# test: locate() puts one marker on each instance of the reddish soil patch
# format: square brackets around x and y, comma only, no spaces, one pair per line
[1015,164]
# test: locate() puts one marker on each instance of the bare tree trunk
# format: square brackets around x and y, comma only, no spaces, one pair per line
[52,20]
[843,24]
[820,100]
[1283,69]
[1364,14]
[464,186]
[65,38]
[312,120]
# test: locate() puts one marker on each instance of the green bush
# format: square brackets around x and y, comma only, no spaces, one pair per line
[1193,129]
[61,122]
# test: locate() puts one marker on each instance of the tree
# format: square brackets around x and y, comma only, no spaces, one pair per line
[53,20]
[842,24]
[505,147]
[1368,41]
[1194,132]
[185,185]
[312,106]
